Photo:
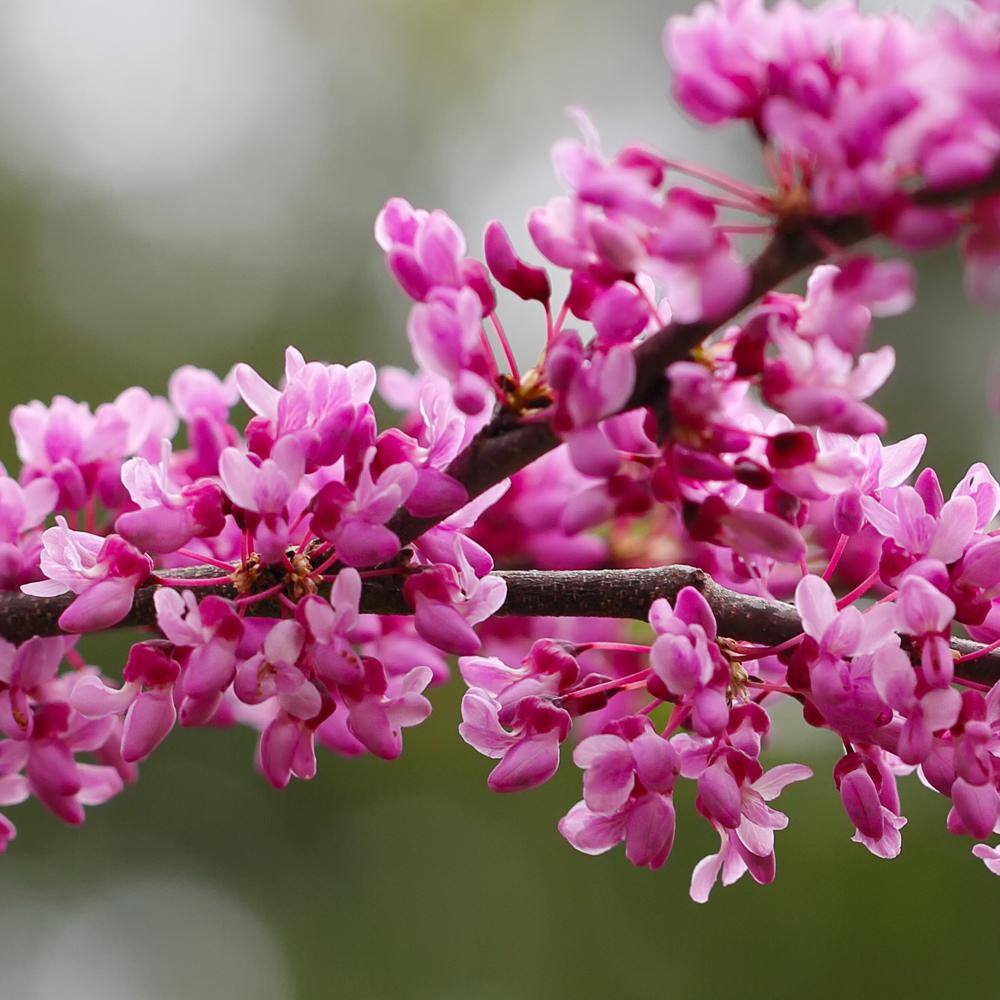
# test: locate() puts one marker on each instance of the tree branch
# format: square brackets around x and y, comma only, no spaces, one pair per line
[509,443]
[599,593]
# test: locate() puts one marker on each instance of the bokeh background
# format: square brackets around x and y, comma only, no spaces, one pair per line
[191,182]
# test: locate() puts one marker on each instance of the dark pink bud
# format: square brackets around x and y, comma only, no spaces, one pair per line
[790,449]
[514,274]
[752,474]
[848,517]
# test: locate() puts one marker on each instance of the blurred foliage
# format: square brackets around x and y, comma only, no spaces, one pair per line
[411,880]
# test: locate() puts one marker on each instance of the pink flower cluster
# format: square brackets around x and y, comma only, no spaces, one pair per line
[758,457]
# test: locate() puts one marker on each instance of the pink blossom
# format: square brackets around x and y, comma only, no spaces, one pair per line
[207,636]
[926,711]
[748,845]
[518,714]
[449,598]
[868,792]
[524,280]
[319,408]
[26,672]
[168,517]
[629,776]
[146,698]
[686,660]
[48,759]
[103,572]
[355,521]
[380,707]
[589,389]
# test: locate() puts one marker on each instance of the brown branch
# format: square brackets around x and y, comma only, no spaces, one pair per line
[599,593]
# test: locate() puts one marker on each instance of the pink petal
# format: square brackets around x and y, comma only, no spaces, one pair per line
[528,763]
[100,606]
[816,604]
[94,699]
[591,833]
[149,720]
[650,828]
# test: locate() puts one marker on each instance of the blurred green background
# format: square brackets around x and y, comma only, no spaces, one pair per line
[183,182]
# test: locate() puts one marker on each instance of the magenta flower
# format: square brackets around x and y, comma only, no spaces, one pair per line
[168,517]
[103,572]
[198,393]
[749,845]
[48,759]
[942,532]
[686,661]
[843,633]
[589,389]
[452,596]
[277,673]
[319,407]
[926,710]
[868,792]
[146,698]
[445,333]
[80,450]
[263,490]
[22,511]
[286,748]
[524,280]
[355,521]
[629,775]
[26,672]
[207,636]
[990,856]
[330,626]
[525,737]
[378,708]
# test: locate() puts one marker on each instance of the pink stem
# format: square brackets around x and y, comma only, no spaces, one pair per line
[676,720]
[620,682]
[838,551]
[201,558]
[325,565]
[759,654]
[613,647]
[771,688]
[754,195]
[859,591]
[505,345]
[745,230]
[241,602]
[739,206]
[978,653]
[211,581]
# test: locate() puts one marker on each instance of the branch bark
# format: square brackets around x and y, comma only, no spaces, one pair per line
[601,593]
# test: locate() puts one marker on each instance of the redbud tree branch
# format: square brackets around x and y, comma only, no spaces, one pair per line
[599,593]
[509,442]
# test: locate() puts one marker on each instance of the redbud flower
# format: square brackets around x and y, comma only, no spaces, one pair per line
[146,698]
[522,279]
[750,846]
[629,776]
[103,572]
